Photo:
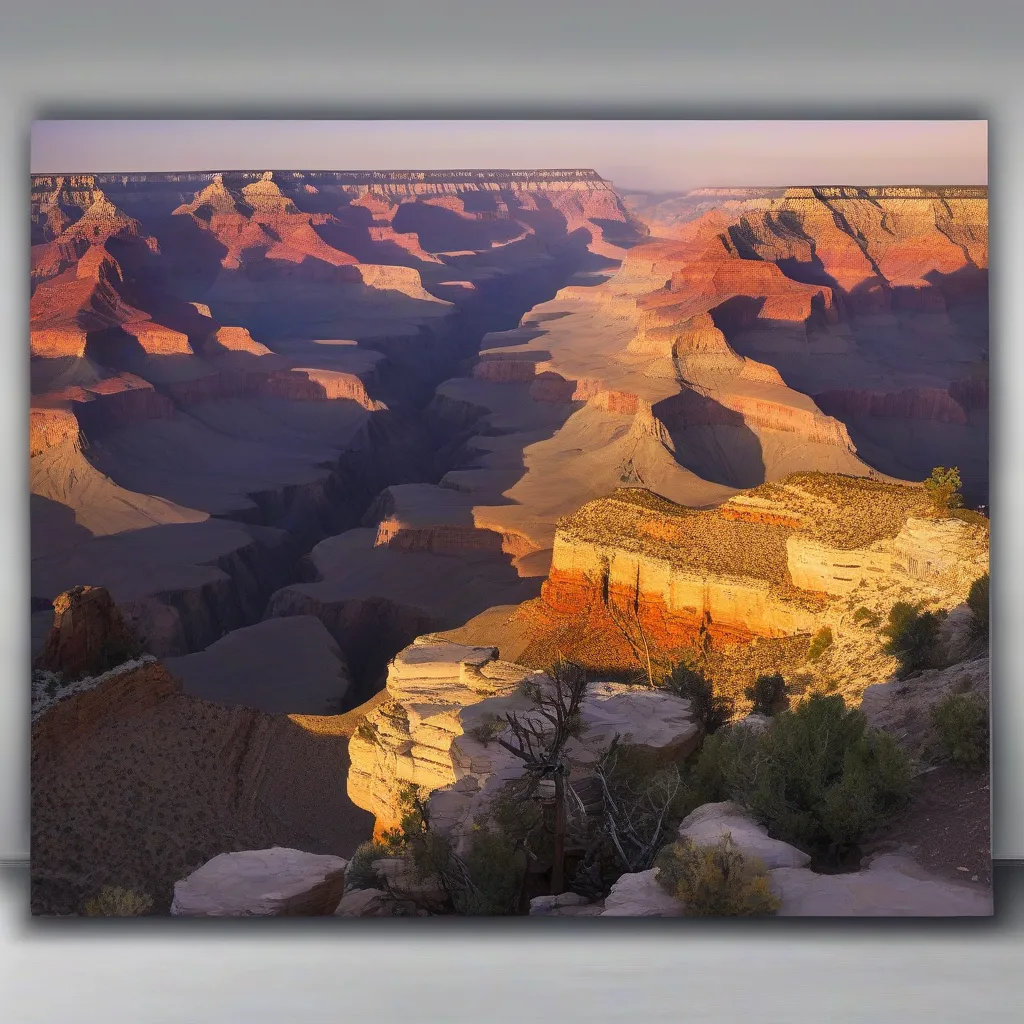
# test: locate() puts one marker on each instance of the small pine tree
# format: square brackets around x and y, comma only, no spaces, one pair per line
[943,487]
[977,601]
[913,638]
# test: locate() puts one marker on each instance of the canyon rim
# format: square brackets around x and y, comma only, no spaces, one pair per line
[507,542]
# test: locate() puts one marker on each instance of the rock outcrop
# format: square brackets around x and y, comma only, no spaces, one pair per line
[780,560]
[89,635]
[432,732]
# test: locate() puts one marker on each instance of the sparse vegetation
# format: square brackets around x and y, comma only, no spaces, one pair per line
[113,901]
[642,800]
[960,722]
[488,729]
[716,881]
[366,731]
[360,874]
[767,695]
[913,638]
[710,710]
[820,644]
[817,777]
[943,488]
[866,618]
[485,880]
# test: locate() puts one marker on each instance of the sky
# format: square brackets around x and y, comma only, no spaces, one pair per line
[645,155]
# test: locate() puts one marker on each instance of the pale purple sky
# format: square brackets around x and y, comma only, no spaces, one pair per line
[656,155]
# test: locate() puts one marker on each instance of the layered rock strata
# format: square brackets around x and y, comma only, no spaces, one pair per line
[441,694]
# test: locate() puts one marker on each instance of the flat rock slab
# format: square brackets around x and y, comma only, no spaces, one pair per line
[262,883]
[891,886]
[286,666]
[640,895]
[638,715]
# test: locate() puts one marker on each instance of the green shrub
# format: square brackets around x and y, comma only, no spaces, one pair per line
[820,778]
[710,710]
[713,773]
[488,729]
[486,880]
[960,721]
[716,881]
[495,865]
[977,601]
[820,644]
[366,731]
[943,487]
[360,874]
[865,617]
[113,901]
[767,695]
[913,638]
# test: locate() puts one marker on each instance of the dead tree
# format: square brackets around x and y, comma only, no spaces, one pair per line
[637,812]
[539,739]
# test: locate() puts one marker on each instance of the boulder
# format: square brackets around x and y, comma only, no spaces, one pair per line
[262,883]
[640,895]
[89,635]
[706,825]
[545,906]
[891,886]
[364,903]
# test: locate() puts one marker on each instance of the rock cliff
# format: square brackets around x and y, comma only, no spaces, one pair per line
[427,732]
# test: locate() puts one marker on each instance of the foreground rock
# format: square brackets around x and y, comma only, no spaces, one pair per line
[889,886]
[711,822]
[262,883]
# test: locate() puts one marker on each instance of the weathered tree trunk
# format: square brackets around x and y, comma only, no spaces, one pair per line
[557,869]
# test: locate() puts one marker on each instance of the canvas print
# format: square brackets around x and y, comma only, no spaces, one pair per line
[553,519]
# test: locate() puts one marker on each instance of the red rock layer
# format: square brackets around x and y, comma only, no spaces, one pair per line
[572,594]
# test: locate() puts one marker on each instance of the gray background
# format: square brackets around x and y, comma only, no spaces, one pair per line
[188,58]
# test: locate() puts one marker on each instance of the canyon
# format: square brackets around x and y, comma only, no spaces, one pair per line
[299,424]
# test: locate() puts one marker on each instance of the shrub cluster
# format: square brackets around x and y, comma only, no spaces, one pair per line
[818,777]
[960,722]
[716,881]
[113,901]
[943,488]
[360,874]
[913,638]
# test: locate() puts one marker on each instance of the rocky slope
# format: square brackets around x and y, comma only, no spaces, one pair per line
[211,777]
